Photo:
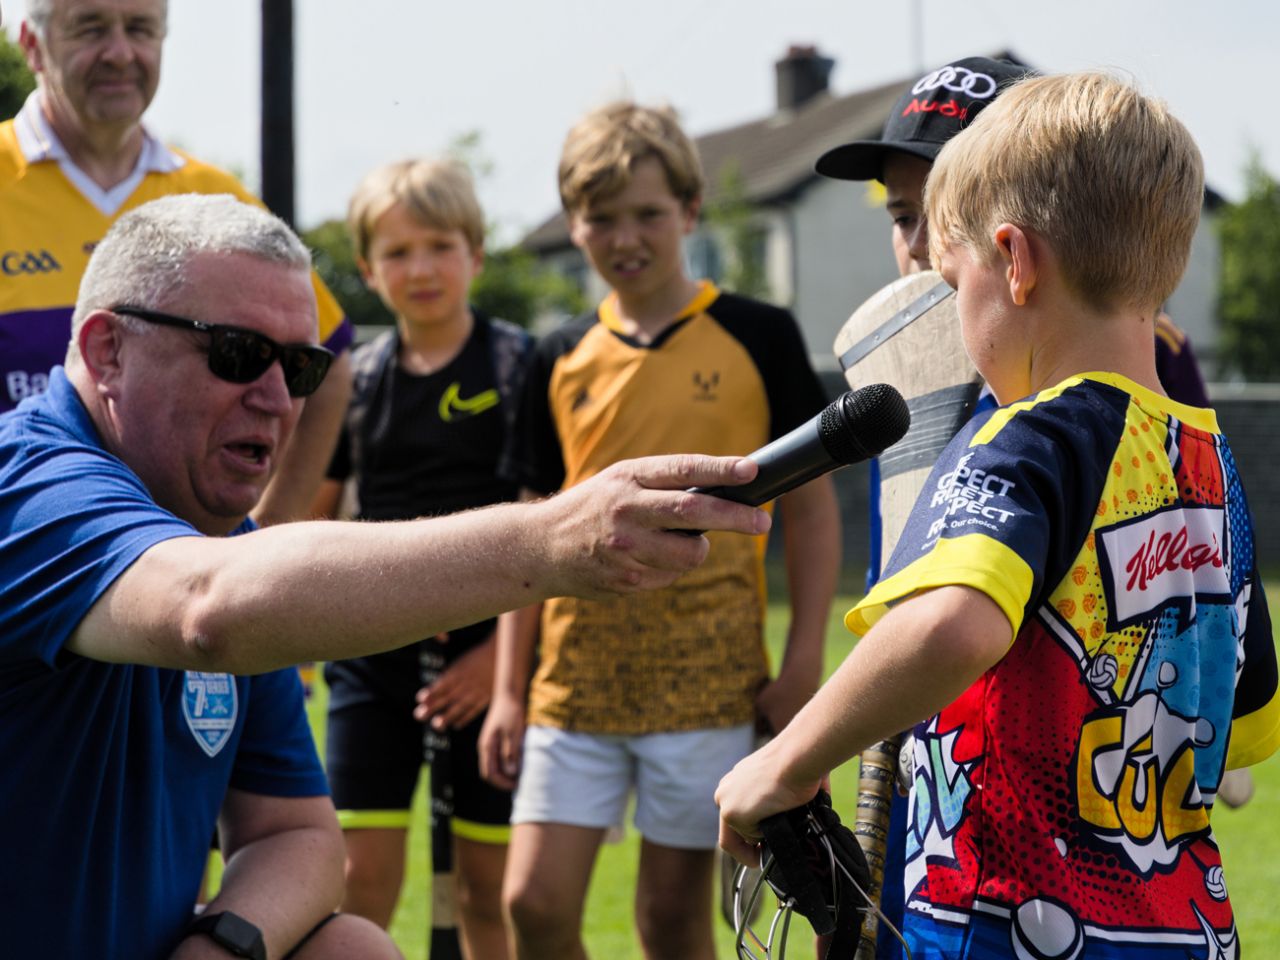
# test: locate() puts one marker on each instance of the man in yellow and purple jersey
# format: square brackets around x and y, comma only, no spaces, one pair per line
[77,157]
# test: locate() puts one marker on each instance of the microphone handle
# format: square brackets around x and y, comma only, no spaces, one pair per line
[786,463]
[783,465]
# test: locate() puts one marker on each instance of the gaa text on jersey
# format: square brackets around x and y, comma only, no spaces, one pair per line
[14,263]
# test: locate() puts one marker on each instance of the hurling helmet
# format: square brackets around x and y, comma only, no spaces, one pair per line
[812,864]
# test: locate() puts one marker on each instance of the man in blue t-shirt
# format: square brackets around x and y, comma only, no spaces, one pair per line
[145,625]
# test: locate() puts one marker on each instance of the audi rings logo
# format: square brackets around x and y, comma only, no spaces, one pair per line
[14,263]
[979,86]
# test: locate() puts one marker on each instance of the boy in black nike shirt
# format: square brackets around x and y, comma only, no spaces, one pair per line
[427,423]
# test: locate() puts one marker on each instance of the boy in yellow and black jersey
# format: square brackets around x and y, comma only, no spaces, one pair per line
[659,693]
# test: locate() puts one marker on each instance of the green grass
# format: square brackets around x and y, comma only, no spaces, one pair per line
[1249,837]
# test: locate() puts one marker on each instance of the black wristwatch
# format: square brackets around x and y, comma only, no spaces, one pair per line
[232,932]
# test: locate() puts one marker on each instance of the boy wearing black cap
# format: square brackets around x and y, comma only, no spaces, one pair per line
[933,110]
[937,107]
[926,116]
[1073,609]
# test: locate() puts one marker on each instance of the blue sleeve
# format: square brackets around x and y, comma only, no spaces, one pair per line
[277,755]
[1005,508]
[72,519]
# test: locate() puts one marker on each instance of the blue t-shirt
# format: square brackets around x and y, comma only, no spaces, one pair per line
[114,774]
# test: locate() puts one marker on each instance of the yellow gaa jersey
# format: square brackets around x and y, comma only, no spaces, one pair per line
[1061,805]
[729,375]
[49,225]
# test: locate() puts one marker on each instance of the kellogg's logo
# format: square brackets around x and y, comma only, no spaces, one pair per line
[1172,557]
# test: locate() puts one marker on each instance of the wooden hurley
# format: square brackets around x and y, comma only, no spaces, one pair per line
[906,335]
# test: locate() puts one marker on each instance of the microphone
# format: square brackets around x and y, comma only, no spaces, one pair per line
[856,426]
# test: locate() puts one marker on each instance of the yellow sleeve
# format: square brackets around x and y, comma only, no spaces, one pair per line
[974,560]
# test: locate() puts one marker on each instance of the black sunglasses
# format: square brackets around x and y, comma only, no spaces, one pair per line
[242,356]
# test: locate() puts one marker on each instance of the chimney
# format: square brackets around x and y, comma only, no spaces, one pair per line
[801,75]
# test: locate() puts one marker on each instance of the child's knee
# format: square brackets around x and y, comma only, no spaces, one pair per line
[538,911]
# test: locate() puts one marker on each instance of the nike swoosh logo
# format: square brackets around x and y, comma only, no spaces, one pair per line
[454,407]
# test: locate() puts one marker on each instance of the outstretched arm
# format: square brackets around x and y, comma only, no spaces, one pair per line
[922,654]
[328,591]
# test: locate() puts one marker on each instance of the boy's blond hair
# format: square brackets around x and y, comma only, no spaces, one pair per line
[437,193]
[602,149]
[1108,177]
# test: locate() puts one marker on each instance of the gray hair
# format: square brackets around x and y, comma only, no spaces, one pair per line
[40,13]
[143,258]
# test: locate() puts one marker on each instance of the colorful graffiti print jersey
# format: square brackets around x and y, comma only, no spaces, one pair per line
[1060,806]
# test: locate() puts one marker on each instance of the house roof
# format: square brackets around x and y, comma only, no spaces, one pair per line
[775,155]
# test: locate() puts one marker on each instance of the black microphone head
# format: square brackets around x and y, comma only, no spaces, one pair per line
[862,423]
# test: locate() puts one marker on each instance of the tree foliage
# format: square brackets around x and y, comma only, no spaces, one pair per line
[335,261]
[514,286]
[1249,281]
[735,225]
[16,81]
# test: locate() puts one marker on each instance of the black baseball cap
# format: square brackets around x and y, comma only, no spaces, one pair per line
[935,108]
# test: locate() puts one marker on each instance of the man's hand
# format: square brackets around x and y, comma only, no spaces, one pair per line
[617,531]
[747,794]
[780,699]
[462,690]
[502,741]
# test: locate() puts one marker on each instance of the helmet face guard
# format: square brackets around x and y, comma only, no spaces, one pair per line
[813,865]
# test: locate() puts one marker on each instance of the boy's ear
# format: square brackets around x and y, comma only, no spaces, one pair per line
[365,273]
[1021,256]
[691,210]
[577,228]
[477,260]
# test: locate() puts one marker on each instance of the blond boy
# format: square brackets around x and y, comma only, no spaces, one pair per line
[662,695]
[427,423]
[1075,604]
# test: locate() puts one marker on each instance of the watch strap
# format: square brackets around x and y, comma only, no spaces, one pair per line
[230,931]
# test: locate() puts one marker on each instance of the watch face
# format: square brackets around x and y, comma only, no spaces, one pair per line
[239,936]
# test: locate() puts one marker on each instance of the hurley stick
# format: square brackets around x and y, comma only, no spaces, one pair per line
[907,335]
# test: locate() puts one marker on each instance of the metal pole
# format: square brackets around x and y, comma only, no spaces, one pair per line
[276,150]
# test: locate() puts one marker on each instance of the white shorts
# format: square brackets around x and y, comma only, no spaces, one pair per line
[583,779]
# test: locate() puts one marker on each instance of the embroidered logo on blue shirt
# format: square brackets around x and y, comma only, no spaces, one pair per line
[210,705]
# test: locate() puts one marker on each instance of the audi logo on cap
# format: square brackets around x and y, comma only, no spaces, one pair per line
[979,86]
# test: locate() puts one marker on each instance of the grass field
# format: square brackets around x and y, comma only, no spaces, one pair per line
[1249,837]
